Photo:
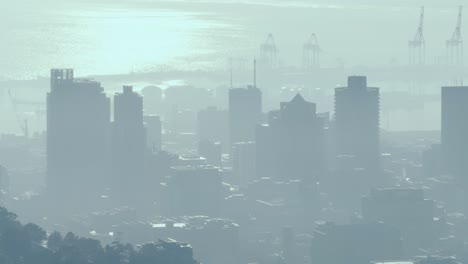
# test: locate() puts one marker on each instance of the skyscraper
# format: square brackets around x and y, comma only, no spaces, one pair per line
[78,119]
[245,109]
[357,123]
[454,130]
[212,125]
[153,132]
[128,146]
[293,141]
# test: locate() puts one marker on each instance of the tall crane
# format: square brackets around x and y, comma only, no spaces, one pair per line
[455,43]
[311,53]
[417,46]
[22,124]
[268,52]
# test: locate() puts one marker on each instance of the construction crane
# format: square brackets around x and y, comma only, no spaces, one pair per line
[22,124]
[455,44]
[417,46]
[268,52]
[311,53]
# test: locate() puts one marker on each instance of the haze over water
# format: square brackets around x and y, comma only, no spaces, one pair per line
[148,36]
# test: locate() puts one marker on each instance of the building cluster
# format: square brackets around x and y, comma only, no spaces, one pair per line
[291,185]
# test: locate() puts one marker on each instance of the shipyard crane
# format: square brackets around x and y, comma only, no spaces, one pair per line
[268,52]
[22,124]
[455,43]
[311,53]
[417,46]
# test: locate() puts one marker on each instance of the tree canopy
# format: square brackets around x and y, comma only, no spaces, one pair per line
[30,244]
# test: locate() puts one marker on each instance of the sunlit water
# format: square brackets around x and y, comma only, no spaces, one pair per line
[123,36]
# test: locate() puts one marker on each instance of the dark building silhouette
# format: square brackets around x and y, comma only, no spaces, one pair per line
[454,131]
[212,125]
[294,144]
[245,110]
[355,244]
[128,146]
[78,124]
[194,190]
[243,166]
[406,210]
[357,122]
[264,156]
[211,151]
[152,100]
[153,132]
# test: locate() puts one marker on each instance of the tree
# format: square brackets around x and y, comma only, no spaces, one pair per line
[55,241]
[35,233]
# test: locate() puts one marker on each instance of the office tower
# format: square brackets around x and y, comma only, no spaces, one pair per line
[405,209]
[152,100]
[288,245]
[245,109]
[244,163]
[153,132]
[128,146]
[454,131]
[296,142]
[212,125]
[265,157]
[357,123]
[78,123]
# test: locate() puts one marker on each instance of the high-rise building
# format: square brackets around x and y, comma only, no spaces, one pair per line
[295,142]
[454,131]
[245,109]
[244,163]
[152,100]
[153,132]
[128,146]
[78,123]
[212,125]
[357,123]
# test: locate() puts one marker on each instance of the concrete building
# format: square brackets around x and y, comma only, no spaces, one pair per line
[212,125]
[78,132]
[355,244]
[152,100]
[211,151]
[292,143]
[454,131]
[153,132]
[193,191]
[406,210]
[245,110]
[128,147]
[357,122]
[244,163]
